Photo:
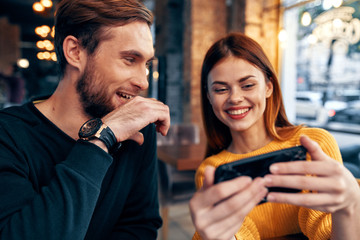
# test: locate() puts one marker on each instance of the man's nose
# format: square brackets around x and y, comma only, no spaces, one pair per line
[141,81]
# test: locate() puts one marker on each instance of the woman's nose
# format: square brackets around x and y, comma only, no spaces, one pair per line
[236,96]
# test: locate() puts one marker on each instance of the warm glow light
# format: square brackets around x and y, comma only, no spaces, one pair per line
[337,3]
[40,55]
[53,56]
[37,7]
[23,63]
[46,3]
[46,28]
[38,30]
[306,19]
[42,31]
[47,55]
[282,35]
[40,44]
[52,32]
[49,47]
[156,75]
[147,72]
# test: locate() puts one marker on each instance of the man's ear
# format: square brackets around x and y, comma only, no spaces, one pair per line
[73,52]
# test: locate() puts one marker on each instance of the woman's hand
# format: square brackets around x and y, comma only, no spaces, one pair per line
[332,187]
[218,211]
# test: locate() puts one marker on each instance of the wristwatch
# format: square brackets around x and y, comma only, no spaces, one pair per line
[95,128]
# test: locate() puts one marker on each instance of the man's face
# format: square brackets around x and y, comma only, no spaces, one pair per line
[116,72]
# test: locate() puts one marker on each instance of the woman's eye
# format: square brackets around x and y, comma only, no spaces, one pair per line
[220,90]
[248,86]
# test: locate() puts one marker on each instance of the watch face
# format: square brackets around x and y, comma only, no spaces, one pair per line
[90,128]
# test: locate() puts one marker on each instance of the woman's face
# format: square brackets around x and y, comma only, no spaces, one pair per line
[237,93]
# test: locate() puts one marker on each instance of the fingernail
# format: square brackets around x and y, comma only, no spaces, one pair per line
[270,197]
[268,179]
[274,168]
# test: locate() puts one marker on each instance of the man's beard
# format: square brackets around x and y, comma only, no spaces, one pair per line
[93,96]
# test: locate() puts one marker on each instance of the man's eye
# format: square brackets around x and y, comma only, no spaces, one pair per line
[130,59]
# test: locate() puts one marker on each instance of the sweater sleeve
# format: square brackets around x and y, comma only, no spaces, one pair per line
[248,231]
[60,210]
[315,224]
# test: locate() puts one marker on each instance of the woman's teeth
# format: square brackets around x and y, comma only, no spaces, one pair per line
[239,111]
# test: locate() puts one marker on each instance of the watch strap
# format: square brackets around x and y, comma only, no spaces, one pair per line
[107,136]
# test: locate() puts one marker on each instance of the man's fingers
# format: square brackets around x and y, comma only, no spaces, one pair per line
[128,119]
[137,137]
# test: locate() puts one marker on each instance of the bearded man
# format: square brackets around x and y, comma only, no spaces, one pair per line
[81,163]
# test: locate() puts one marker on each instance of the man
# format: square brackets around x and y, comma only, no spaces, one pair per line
[81,164]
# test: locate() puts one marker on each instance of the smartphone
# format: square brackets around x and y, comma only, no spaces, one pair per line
[258,166]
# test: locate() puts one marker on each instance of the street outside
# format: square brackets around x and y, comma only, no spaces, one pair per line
[345,133]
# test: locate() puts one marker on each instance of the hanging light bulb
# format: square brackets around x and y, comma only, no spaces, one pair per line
[306,19]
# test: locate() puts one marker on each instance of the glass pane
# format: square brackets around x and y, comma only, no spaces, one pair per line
[327,64]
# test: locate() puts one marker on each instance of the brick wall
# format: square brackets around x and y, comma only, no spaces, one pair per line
[205,23]
[9,43]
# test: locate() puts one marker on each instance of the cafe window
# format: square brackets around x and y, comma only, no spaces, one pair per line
[321,62]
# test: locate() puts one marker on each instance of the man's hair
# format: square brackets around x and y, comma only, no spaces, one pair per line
[86,19]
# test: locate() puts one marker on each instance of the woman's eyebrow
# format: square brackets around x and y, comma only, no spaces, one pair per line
[240,80]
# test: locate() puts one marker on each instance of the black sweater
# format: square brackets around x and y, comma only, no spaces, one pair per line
[53,187]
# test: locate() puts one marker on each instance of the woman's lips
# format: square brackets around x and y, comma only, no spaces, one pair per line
[237,113]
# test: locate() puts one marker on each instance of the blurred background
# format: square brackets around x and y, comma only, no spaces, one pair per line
[314,46]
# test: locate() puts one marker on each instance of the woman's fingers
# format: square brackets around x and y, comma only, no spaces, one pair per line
[218,210]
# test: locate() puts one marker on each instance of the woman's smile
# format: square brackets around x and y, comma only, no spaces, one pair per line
[237,113]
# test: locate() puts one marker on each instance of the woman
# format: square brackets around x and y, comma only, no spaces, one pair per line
[244,116]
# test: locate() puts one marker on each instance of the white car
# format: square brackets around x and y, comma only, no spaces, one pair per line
[309,105]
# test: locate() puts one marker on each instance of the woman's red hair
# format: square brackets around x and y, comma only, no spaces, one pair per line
[240,46]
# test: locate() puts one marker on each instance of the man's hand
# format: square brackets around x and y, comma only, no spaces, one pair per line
[127,120]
